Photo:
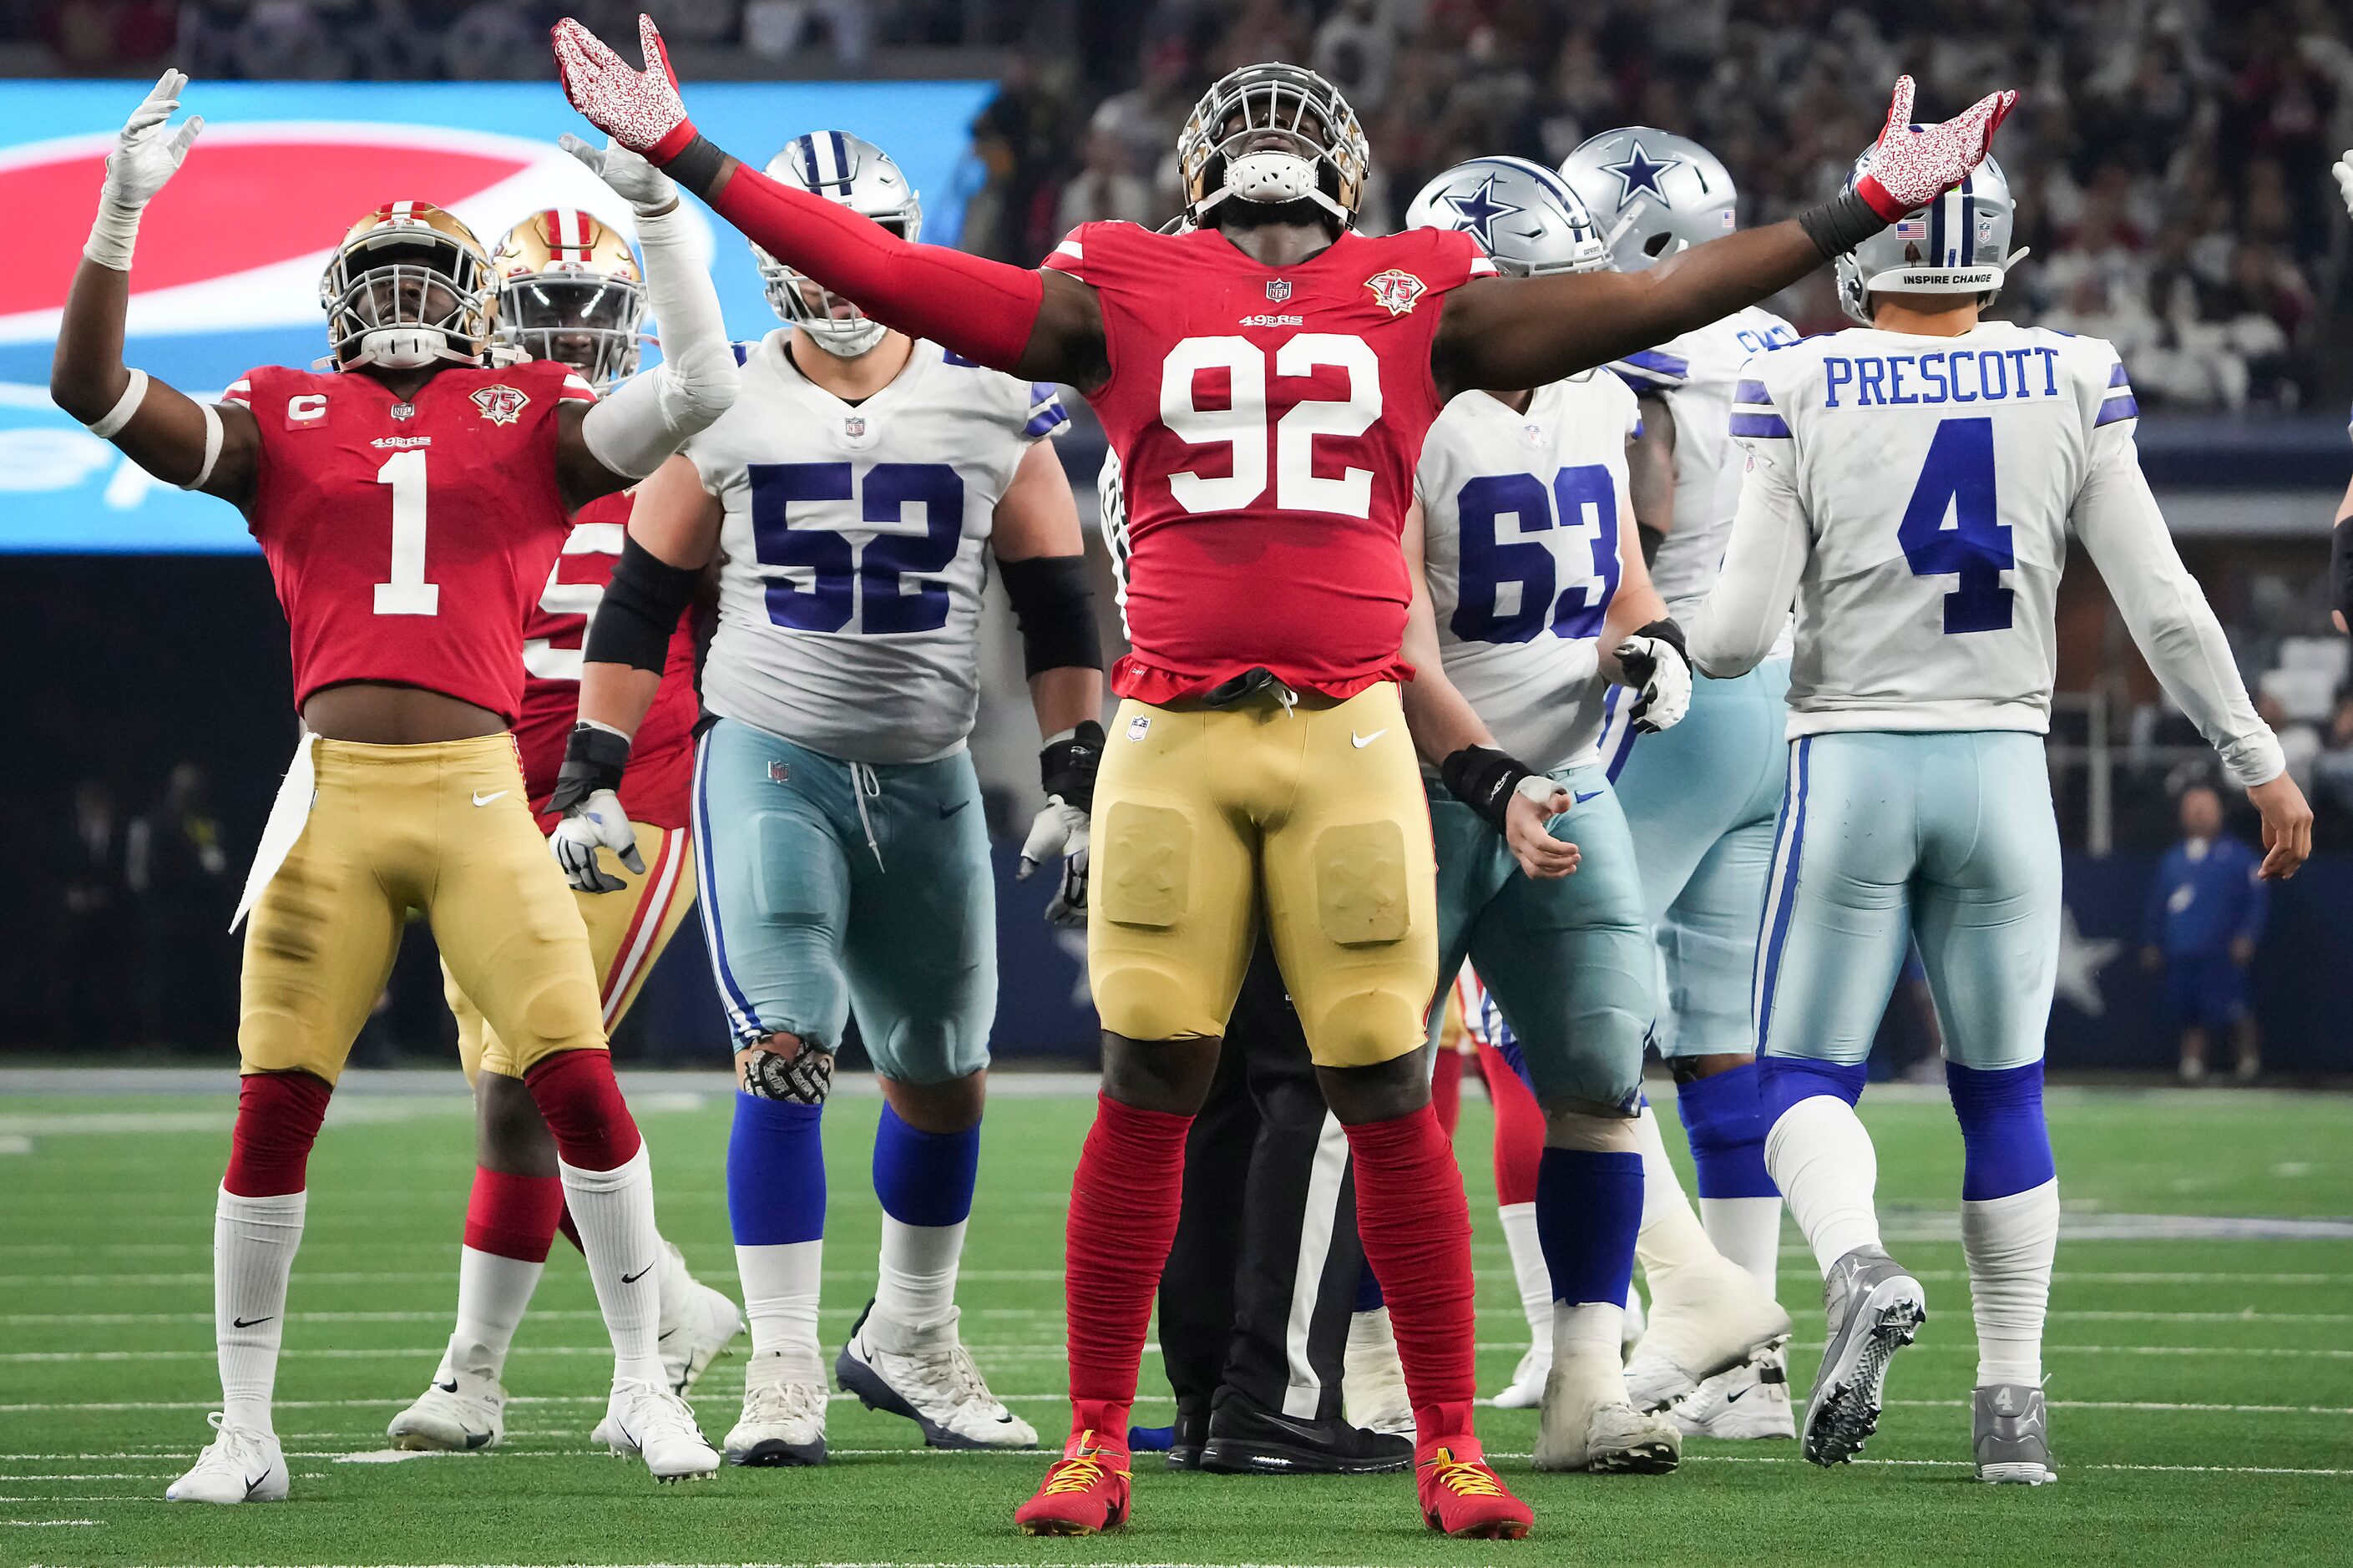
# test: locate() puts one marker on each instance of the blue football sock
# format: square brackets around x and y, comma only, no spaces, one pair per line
[1369,1291]
[2006,1147]
[1724,1117]
[1588,1207]
[925,1178]
[776,1172]
[1783,1082]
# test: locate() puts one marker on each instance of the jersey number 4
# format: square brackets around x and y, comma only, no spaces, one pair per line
[841,575]
[1509,587]
[1242,423]
[1956,481]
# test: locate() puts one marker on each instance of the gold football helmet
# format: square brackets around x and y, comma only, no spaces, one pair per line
[569,289]
[408,285]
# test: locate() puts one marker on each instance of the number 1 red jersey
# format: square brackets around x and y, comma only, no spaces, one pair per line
[1267,421]
[661,761]
[407,539]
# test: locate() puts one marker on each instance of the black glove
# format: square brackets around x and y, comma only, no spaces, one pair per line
[594,759]
[1484,779]
[1067,766]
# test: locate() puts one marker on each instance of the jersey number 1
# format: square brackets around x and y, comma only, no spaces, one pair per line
[1957,481]
[408,593]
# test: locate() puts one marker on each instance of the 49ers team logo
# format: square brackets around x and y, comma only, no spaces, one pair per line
[1396,291]
[500,405]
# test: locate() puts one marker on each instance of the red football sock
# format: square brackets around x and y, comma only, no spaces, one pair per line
[1519,1129]
[1416,1228]
[1446,1089]
[278,1117]
[583,1109]
[513,1217]
[571,1231]
[1124,1202]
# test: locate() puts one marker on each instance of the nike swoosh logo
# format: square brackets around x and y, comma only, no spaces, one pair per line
[1583,798]
[1732,1397]
[1361,742]
[249,1323]
[449,1388]
[480,799]
[633,1279]
[251,1482]
[948,811]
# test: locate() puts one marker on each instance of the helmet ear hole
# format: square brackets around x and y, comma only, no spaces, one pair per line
[1656,246]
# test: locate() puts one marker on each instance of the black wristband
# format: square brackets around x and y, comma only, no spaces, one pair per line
[594,759]
[1053,605]
[1668,632]
[1067,766]
[2340,569]
[1484,778]
[697,165]
[1840,223]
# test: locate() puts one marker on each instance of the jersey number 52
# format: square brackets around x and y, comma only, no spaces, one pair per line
[844,578]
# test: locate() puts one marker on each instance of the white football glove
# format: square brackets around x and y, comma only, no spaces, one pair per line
[1657,669]
[1059,830]
[146,154]
[646,188]
[597,822]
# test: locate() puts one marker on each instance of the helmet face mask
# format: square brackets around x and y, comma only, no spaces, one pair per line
[1271,136]
[1653,193]
[1957,244]
[1524,217]
[863,177]
[570,289]
[409,287]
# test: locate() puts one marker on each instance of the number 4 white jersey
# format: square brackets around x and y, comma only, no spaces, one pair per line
[1521,515]
[851,566]
[1914,494]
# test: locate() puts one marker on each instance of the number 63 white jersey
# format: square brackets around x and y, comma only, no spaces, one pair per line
[852,568]
[1521,517]
[1914,494]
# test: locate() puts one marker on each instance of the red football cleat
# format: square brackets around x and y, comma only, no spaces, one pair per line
[1462,1498]
[1085,1492]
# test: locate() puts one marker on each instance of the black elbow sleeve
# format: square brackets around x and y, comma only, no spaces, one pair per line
[640,609]
[1055,609]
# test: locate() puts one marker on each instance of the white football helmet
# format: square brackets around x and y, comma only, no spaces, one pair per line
[860,176]
[1652,191]
[1957,244]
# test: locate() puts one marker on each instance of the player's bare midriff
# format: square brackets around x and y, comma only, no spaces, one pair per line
[379,713]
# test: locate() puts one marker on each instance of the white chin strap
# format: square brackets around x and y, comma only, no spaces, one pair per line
[401,348]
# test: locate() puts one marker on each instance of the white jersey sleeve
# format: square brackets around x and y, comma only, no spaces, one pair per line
[1522,514]
[852,549]
[2117,519]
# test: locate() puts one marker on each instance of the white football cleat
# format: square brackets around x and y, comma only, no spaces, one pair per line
[1716,1318]
[782,1423]
[1577,1431]
[1634,1324]
[697,1322]
[1749,1402]
[241,1465]
[458,1412]
[657,1426]
[1372,1379]
[931,1379]
[1525,1391]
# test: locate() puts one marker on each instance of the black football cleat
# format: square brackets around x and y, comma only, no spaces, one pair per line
[1247,1438]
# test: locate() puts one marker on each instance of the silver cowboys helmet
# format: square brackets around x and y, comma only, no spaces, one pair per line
[860,176]
[1652,191]
[1957,244]
[1273,134]
[1522,214]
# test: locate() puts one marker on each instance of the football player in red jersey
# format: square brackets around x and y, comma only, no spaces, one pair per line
[409,505]
[1266,380]
[569,289]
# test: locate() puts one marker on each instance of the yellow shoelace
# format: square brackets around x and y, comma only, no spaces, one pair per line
[1465,1477]
[1079,1473]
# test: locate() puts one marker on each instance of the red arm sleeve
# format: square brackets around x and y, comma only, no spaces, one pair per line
[982,309]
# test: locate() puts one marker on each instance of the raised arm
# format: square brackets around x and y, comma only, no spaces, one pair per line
[195,446]
[1742,616]
[1036,325]
[1525,332]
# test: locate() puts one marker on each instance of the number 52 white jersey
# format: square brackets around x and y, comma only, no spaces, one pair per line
[1914,494]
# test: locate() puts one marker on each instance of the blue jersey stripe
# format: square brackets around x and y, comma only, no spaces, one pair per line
[739,1007]
[1766,424]
[1044,418]
[1785,903]
[1660,363]
[1752,392]
[2115,408]
[2117,376]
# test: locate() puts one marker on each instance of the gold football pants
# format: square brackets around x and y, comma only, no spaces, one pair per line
[1313,814]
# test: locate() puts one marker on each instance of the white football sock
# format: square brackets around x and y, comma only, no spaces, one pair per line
[1671,1237]
[1585,1340]
[614,1211]
[915,1287]
[1748,1231]
[253,1252]
[1519,1221]
[494,1293]
[1823,1161]
[780,1292]
[2010,1243]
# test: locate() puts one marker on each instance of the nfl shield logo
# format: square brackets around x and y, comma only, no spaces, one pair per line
[853,425]
[1278,290]
[780,772]
[500,405]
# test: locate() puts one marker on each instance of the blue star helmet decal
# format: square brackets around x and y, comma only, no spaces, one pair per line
[1640,171]
[1477,210]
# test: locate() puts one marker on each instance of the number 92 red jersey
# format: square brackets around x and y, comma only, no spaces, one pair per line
[1267,421]
[407,539]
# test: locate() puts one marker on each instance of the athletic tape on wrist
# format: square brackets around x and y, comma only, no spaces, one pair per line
[112,235]
[115,418]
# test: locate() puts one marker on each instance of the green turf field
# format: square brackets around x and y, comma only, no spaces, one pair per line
[2201,1379]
